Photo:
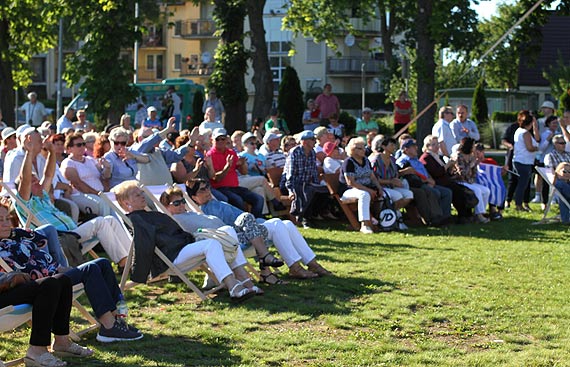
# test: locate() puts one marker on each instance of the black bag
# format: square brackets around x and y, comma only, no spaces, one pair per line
[388,218]
[469,197]
[413,180]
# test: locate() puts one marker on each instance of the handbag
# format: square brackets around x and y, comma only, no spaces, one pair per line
[469,197]
[12,280]
[229,244]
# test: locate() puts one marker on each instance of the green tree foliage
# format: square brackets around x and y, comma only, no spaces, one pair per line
[479,109]
[27,27]
[231,62]
[564,102]
[290,101]
[104,74]
[558,76]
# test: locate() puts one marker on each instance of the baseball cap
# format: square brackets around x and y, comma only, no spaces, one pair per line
[24,130]
[548,104]
[151,109]
[270,136]
[8,132]
[306,135]
[246,136]
[409,143]
[219,132]
[329,147]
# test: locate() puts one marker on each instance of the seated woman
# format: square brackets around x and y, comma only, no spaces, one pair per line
[173,200]
[157,229]
[466,168]
[361,182]
[254,179]
[123,161]
[441,173]
[26,251]
[86,175]
[51,300]
[285,236]
[334,158]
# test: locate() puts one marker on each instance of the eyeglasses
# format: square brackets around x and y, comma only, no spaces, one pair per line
[79,145]
[177,203]
[449,112]
[358,148]
[250,143]
[122,143]
[560,142]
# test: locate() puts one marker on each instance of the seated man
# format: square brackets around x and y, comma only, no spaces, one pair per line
[23,250]
[562,183]
[223,172]
[287,239]
[34,195]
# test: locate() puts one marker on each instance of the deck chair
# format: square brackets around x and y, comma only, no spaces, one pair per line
[87,247]
[174,270]
[153,194]
[78,290]
[11,317]
[549,177]
[348,206]
[274,175]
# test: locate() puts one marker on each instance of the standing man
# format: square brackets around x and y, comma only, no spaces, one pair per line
[215,102]
[442,130]
[328,104]
[462,127]
[366,125]
[35,110]
[548,110]
[64,122]
[152,120]
[402,111]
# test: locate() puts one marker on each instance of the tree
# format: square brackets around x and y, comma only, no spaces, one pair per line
[262,77]
[27,28]
[479,110]
[230,62]
[290,100]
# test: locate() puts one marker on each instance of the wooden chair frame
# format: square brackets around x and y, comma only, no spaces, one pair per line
[349,207]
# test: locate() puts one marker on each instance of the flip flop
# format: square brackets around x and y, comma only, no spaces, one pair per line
[45,360]
[73,350]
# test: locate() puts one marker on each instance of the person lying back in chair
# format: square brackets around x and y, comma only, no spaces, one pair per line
[34,195]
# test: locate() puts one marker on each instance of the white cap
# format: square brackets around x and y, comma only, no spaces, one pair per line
[151,109]
[548,104]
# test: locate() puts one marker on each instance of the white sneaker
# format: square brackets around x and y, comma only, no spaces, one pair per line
[537,199]
[366,230]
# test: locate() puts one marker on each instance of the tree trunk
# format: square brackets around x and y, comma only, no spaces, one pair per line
[262,77]
[7,82]
[425,67]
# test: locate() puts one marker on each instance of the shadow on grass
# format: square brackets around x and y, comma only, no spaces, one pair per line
[160,349]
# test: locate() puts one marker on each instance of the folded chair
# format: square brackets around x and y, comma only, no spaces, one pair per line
[153,193]
[173,270]
[32,221]
[12,317]
[78,290]
[348,206]
[549,177]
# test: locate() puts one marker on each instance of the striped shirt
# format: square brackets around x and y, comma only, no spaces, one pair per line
[44,211]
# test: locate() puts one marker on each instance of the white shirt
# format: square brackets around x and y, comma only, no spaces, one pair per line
[521,153]
[34,112]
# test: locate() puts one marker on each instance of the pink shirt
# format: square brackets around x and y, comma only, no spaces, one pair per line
[327,104]
[219,160]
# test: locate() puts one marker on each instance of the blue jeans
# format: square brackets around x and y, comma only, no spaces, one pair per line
[564,188]
[524,171]
[238,196]
[100,284]
[54,247]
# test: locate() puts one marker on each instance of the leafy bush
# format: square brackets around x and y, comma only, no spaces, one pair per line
[290,100]
[348,121]
[502,116]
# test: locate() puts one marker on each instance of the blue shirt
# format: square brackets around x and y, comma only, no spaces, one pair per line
[255,163]
[226,212]
[300,168]
[457,126]
[415,163]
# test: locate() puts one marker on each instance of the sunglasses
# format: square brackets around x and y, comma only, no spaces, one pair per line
[220,138]
[79,145]
[177,203]
[121,143]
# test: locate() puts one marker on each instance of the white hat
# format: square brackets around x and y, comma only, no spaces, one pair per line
[7,132]
[548,104]
[151,109]
[24,130]
[246,136]
[270,136]
[219,132]
[32,94]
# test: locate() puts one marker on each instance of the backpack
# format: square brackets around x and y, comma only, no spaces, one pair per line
[388,219]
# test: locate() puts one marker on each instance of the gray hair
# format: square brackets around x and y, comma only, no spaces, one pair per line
[376,144]
[119,132]
[352,143]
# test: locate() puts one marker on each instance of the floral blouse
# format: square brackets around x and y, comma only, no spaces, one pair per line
[466,167]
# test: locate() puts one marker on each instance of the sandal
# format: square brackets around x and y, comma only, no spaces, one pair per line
[301,273]
[271,279]
[241,295]
[274,262]
[318,269]
[45,360]
[258,291]
[73,350]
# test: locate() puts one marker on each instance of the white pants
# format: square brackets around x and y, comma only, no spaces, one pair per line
[91,203]
[260,186]
[212,251]
[399,193]
[240,259]
[289,242]
[482,193]
[363,202]
[110,233]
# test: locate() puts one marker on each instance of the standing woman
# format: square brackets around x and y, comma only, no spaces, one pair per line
[402,111]
[526,144]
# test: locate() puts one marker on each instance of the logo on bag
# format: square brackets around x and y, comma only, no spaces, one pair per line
[387,218]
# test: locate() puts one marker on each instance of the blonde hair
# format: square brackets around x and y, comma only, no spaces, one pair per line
[427,142]
[124,191]
[352,143]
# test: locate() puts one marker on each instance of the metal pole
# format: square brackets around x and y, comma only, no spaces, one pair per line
[136,53]
[16,122]
[59,110]
[363,86]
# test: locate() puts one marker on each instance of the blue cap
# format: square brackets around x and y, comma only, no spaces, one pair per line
[408,143]
[306,135]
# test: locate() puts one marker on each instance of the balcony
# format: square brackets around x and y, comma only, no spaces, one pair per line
[154,39]
[352,66]
[371,27]
[196,28]
[196,69]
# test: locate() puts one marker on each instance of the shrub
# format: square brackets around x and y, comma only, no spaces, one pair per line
[290,101]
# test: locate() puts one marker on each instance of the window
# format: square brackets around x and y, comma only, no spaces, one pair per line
[150,62]
[178,28]
[177,62]
[38,66]
[314,52]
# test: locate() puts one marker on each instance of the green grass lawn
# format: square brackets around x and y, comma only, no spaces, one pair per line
[470,295]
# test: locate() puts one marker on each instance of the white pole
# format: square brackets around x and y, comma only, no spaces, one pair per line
[136,48]
[59,110]
[362,85]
